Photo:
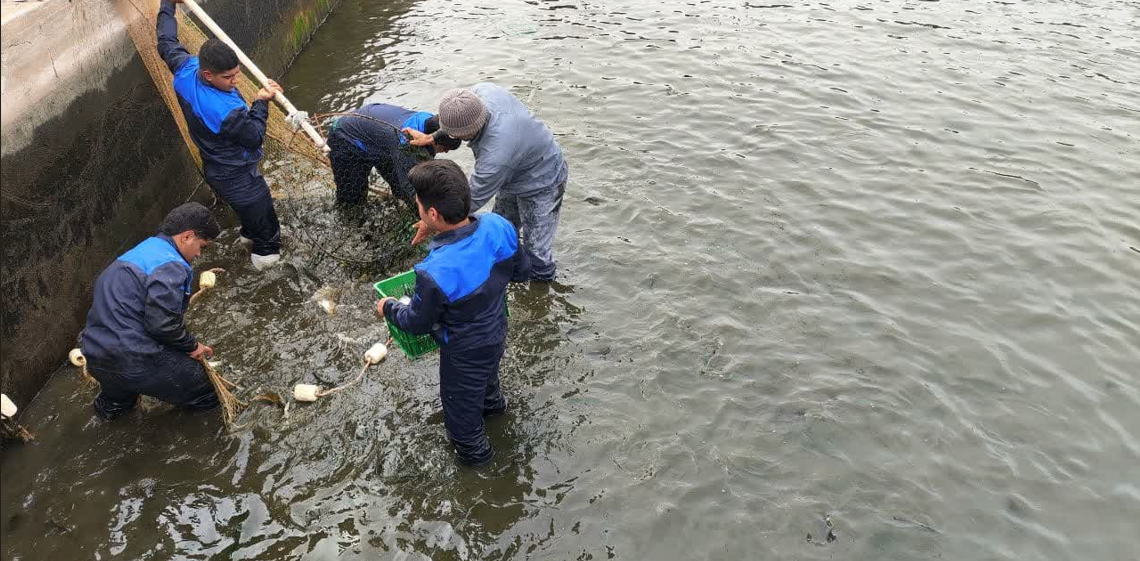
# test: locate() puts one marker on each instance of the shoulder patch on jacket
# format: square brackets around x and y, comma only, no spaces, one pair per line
[460,268]
[153,253]
[416,121]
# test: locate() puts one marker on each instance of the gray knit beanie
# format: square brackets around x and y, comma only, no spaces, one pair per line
[461,113]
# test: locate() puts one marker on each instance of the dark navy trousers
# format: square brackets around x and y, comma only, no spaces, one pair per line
[469,389]
[170,376]
[352,165]
[247,193]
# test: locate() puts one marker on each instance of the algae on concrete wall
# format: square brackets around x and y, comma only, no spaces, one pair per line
[92,167]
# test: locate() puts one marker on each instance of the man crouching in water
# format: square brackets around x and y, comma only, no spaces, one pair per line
[136,340]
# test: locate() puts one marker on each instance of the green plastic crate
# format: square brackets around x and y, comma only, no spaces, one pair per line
[397,287]
[401,285]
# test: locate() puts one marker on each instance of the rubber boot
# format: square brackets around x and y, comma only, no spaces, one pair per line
[263,262]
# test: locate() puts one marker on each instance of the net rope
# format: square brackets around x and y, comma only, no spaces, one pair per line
[364,238]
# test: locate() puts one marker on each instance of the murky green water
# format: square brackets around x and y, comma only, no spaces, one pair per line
[874,261]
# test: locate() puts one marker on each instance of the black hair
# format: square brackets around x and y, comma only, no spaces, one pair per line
[441,185]
[191,216]
[216,56]
[431,126]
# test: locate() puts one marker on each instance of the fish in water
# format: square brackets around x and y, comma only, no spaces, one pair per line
[826,531]
[326,297]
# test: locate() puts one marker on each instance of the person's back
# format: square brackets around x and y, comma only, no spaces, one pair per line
[117,328]
[517,162]
[471,267]
[514,139]
[370,138]
[376,126]
[459,298]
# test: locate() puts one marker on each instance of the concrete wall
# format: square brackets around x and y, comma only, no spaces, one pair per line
[92,159]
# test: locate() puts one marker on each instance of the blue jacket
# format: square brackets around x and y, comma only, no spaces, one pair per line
[378,138]
[461,284]
[139,304]
[228,134]
[514,152]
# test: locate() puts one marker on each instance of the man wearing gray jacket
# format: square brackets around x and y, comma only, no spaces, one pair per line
[516,158]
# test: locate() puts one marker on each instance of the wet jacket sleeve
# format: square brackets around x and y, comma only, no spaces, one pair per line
[169,48]
[246,127]
[418,317]
[164,311]
[489,176]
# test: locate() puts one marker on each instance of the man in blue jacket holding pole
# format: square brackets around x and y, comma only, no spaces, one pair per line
[459,294]
[228,134]
[136,341]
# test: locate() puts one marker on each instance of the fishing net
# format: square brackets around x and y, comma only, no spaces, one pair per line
[140,17]
[371,234]
[370,237]
[362,240]
[11,430]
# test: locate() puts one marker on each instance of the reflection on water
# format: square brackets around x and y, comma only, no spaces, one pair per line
[871,264]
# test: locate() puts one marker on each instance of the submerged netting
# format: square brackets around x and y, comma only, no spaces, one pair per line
[367,237]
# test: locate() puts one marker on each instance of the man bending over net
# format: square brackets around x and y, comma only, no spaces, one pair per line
[517,161]
[228,134]
[370,138]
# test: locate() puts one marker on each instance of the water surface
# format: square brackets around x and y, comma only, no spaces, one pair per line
[876,262]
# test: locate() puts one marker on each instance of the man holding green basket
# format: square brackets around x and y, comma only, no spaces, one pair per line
[458,298]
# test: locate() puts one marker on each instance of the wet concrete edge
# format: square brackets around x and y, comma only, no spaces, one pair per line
[98,177]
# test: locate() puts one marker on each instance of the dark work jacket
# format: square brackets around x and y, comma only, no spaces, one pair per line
[139,306]
[460,286]
[372,133]
[227,133]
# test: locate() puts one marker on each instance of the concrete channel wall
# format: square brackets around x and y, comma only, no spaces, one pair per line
[92,159]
